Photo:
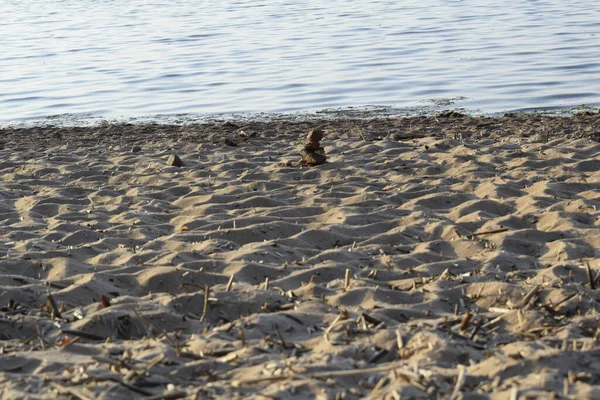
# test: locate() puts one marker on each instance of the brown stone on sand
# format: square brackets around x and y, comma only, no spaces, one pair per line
[174,161]
[313,138]
[313,153]
[311,157]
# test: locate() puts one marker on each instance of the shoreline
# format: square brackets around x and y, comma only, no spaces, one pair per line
[581,125]
[438,256]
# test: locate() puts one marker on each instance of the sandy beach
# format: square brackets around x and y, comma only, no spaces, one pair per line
[441,257]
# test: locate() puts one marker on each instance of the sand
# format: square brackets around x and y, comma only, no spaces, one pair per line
[434,257]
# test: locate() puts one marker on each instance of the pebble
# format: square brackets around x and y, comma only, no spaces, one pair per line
[174,161]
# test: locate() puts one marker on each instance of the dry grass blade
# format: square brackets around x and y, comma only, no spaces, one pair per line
[72,391]
[85,335]
[156,329]
[53,306]
[205,308]
[179,394]
[230,283]
[529,296]
[347,280]
[476,329]
[590,276]
[283,343]
[397,368]
[246,382]
[460,381]
[491,232]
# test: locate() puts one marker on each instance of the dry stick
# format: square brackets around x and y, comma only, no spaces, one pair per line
[492,322]
[168,395]
[464,323]
[326,374]
[283,343]
[529,296]
[267,283]
[380,384]
[52,302]
[569,297]
[205,309]
[230,283]
[133,387]
[491,232]
[242,337]
[590,276]
[72,391]
[399,340]
[477,326]
[347,280]
[460,381]
[153,326]
[260,380]
[83,334]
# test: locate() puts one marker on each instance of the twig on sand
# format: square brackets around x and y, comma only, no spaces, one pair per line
[343,315]
[491,232]
[168,395]
[72,391]
[466,319]
[347,280]
[205,308]
[326,374]
[476,329]
[590,276]
[85,335]
[53,306]
[283,343]
[153,326]
[230,283]
[349,372]
[460,381]
[529,296]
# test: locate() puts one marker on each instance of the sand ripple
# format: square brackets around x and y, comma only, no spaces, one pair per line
[370,261]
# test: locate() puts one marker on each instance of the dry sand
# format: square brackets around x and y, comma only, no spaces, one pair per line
[442,257]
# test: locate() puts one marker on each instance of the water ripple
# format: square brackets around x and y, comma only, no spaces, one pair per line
[141,57]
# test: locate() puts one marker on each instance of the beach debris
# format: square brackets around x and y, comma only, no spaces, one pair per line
[313,153]
[229,141]
[205,306]
[104,301]
[464,323]
[395,136]
[347,281]
[590,276]
[174,160]
[52,305]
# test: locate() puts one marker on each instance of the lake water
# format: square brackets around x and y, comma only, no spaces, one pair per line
[135,58]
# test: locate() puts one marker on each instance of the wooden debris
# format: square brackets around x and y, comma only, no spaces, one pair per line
[490,232]
[230,283]
[104,301]
[466,319]
[591,280]
[53,306]
[205,307]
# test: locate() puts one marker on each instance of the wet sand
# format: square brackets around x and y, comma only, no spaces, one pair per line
[430,257]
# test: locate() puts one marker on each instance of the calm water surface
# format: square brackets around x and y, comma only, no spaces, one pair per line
[132,58]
